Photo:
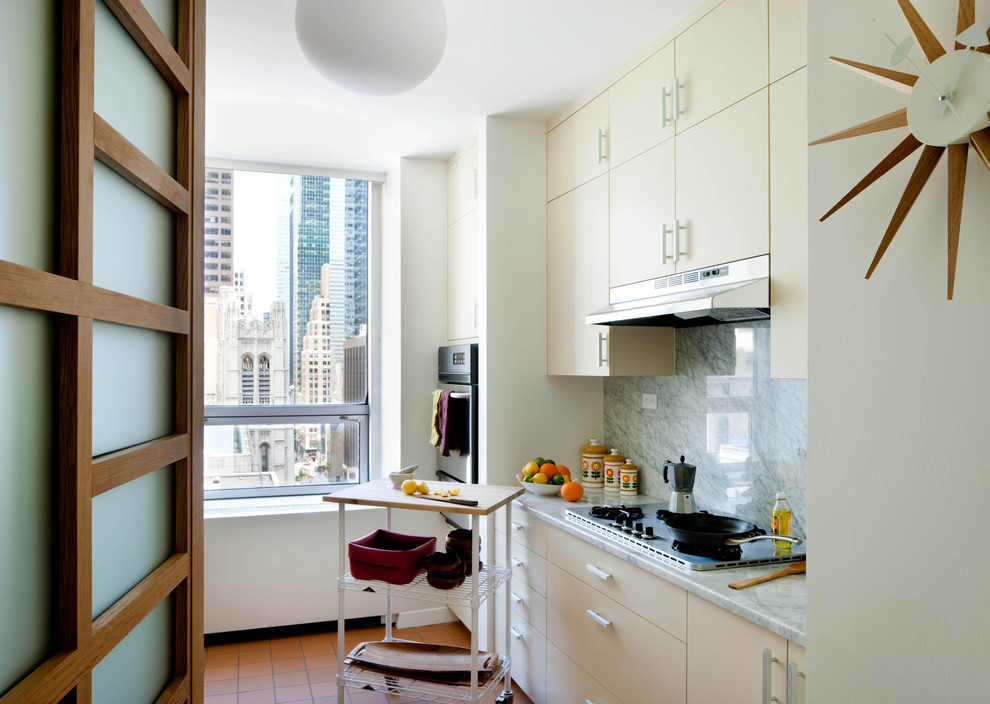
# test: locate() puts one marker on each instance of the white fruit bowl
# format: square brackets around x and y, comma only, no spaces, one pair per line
[541,489]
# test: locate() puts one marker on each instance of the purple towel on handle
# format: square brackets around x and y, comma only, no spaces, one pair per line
[452,424]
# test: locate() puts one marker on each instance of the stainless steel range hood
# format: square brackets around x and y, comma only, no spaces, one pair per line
[728,293]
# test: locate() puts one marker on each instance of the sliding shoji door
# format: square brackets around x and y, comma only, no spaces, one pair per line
[101,242]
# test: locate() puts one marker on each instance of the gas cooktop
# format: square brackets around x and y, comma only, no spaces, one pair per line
[639,528]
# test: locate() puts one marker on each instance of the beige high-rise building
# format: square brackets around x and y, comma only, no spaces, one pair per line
[218,230]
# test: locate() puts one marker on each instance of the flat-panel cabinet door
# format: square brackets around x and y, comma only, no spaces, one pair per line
[725,657]
[721,59]
[528,650]
[723,184]
[637,106]
[641,217]
[788,37]
[577,279]
[569,684]
[462,184]
[789,227]
[577,148]
[462,278]
[796,673]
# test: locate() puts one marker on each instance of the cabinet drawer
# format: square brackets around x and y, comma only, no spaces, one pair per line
[572,684]
[612,643]
[528,604]
[528,650]
[527,566]
[527,530]
[656,600]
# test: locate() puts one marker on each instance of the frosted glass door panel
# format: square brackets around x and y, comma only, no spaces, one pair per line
[27,492]
[133,240]
[133,529]
[163,12]
[137,670]
[28,156]
[130,93]
[133,380]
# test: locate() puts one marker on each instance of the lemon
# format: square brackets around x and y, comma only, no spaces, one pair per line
[530,468]
[540,478]
[423,489]
[410,486]
[454,491]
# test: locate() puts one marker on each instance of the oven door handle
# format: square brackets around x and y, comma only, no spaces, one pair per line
[460,394]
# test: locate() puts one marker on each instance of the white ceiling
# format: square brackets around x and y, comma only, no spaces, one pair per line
[517,58]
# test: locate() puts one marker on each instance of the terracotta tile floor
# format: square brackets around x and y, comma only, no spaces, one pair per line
[304,668]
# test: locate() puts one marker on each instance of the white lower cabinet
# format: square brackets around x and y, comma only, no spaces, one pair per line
[632,658]
[796,679]
[732,660]
[568,683]
[528,651]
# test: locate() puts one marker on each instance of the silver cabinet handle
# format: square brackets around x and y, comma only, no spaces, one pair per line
[604,623]
[476,315]
[677,97]
[602,145]
[664,94]
[475,183]
[516,562]
[768,661]
[792,674]
[517,526]
[516,634]
[516,598]
[663,243]
[602,358]
[677,240]
[597,572]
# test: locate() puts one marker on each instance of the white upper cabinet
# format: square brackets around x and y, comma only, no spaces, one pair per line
[640,107]
[788,37]
[577,148]
[720,59]
[723,186]
[641,217]
[462,184]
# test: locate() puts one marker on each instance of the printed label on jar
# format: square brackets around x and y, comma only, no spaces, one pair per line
[629,482]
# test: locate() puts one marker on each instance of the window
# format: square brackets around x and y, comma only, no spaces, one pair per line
[286,375]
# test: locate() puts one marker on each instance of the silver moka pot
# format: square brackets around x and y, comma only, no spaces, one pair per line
[681,482]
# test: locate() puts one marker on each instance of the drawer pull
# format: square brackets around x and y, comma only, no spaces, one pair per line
[768,660]
[517,526]
[516,598]
[597,572]
[516,562]
[604,623]
[516,634]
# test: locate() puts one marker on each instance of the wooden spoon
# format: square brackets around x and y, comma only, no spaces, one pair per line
[793,568]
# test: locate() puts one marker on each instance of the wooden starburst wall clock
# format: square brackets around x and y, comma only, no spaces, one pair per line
[948,100]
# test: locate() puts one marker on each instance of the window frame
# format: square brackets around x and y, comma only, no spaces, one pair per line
[368,414]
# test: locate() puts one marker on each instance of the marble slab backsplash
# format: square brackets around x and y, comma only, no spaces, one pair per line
[747,433]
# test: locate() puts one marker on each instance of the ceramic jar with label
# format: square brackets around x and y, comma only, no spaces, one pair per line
[593,464]
[628,479]
[612,461]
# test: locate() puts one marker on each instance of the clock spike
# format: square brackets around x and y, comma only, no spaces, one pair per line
[926,39]
[898,80]
[957,184]
[981,143]
[899,154]
[922,171]
[975,36]
[890,121]
[965,18]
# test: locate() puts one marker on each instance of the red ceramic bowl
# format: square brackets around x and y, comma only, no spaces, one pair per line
[390,557]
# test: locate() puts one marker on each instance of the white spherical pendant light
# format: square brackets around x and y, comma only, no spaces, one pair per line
[374,47]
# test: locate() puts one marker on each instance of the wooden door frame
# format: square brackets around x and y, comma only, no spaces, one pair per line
[70,297]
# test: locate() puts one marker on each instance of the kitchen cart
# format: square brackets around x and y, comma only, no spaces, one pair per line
[477,588]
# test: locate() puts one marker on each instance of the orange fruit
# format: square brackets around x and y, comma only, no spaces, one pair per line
[562,469]
[572,491]
[540,478]
[549,469]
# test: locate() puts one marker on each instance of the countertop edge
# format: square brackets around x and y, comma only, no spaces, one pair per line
[709,585]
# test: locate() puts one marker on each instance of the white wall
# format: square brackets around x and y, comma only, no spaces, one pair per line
[525,413]
[898,481]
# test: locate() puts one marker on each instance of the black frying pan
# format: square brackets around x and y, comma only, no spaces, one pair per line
[707,529]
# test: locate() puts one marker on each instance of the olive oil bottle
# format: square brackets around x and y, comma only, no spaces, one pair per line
[780,520]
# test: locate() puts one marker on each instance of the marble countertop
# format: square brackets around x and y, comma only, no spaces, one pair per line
[778,605]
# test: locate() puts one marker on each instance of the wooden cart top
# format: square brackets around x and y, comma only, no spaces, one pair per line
[380,493]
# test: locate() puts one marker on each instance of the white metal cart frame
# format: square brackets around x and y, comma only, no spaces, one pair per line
[477,588]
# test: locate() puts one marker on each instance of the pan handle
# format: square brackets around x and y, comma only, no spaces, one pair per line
[740,541]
